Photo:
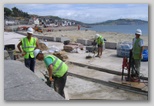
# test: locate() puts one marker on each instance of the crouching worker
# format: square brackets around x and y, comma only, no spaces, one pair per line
[57,70]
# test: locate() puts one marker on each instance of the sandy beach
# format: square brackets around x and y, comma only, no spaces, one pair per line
[73,33]
[89,34]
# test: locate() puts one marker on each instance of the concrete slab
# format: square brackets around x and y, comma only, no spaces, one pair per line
[49,38]
[89,42]
[110,45]
[58,39]
[64,39]
[22,84]
[82,41]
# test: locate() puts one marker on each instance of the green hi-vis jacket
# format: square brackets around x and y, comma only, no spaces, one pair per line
[99,40]
[59,67]
[137,49]
[28,47]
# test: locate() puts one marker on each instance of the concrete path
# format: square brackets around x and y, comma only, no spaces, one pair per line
[109,60]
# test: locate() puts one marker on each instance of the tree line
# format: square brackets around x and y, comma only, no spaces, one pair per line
[15,12]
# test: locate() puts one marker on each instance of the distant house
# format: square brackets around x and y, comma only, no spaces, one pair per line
[64,23]
[10,21]
[73,23]
[67,23]
[31,21]
[57,23]
[47,22]
[36,21]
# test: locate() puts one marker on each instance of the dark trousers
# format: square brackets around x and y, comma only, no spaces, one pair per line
[30,63]
[59,84]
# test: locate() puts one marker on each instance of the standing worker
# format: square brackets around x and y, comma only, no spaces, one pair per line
[100,43]
[137,50]
[28,44]
[57,70]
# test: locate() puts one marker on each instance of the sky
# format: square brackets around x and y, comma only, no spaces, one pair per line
[87,13]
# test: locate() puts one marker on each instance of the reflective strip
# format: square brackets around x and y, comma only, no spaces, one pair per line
[34,41]
[29,47]
[58,68]
[29,51]
[24,43]
[54,62]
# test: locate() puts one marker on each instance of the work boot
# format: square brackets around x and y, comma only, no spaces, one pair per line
[100,56]
[97,56]
[135,79]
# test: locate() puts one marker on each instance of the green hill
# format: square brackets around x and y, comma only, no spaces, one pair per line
[122,22]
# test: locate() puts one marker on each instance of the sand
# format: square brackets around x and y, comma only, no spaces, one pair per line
[109,36]
[73,33]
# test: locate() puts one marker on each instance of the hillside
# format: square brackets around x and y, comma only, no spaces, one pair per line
[17,14]
[122,22]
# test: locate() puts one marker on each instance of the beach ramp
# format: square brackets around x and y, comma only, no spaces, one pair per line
[22,84]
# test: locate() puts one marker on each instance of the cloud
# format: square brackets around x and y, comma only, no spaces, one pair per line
[88,13]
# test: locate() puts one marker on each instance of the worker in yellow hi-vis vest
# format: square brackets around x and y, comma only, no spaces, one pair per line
[28,44]
[100,43]
[57,70]
[137,50]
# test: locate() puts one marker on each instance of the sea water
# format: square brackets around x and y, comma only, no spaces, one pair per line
[126,29]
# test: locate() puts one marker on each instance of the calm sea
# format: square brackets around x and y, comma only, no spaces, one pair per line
[127,29]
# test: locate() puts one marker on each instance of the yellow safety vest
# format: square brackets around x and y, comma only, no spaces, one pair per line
[136,49]
[28,47]
[59,67]
[99,40]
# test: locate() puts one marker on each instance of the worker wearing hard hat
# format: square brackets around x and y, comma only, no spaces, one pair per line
[28,44]
[57,70]
[137,50]
[100,43]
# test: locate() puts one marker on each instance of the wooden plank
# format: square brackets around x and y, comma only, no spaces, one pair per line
[139,85]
